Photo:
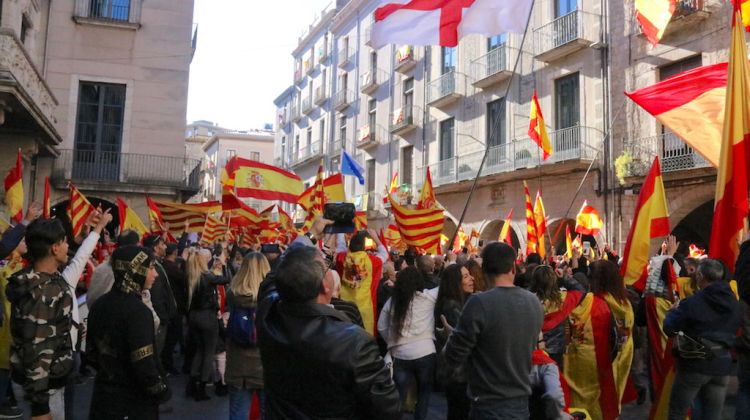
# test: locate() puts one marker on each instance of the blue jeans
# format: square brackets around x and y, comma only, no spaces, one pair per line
[423,369]
[710,391]
[240,400]
[507,409]
[743,389]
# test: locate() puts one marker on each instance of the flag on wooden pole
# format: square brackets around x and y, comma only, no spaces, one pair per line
[46,209]
[537,129]
[505,231]
[540,219]
[531,234]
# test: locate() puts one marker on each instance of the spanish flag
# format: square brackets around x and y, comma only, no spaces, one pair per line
[333,189]
[588,221]
[393,189]
[14,190]
[393,238]
[654,16]
[651,220]
[46,209]
[427,196]
[154,215]
[540,219]
[129,219]
[505,231]
[531,234]
[420,228]
[731,207]
[537,129]
[251,178]
[79,209]
[568,242]
[317,199]
[745,8]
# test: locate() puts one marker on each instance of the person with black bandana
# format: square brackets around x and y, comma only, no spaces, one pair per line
[121,340]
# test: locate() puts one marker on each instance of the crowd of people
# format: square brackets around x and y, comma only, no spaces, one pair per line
[339,326]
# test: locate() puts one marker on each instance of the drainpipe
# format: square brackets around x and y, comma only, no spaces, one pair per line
[426,67]
[392,96]
[46,40]
[607,99]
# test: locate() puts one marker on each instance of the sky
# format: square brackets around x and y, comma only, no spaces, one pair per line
[244,58]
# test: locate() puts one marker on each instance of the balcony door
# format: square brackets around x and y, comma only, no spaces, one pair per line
[563,7]
[496,132]
[446,147]
[98,140]
[111,9]
[567,113]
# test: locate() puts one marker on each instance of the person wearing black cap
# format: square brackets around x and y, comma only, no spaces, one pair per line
[129,382]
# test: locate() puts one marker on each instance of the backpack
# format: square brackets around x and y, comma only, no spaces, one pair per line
[241,326]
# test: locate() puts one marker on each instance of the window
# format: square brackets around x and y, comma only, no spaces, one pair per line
[296,148]
[98,138]
[309,136]
[567,108]
[408,99]
[678,67]
[372,109]
[283,148]
[110,9]
[370,175]
[407,160]
[25,28]
[448,62]
[231,153]
[496,125]
[255,156]
[373,62]
[334,165]
[563,7]
[496,41]
[446,147]
[344,79]
[322,127]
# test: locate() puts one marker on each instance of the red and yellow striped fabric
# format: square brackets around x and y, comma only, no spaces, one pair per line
[588,220]
[537,129]
[505,230]
[393,238]
[427,196]
[651,220]
[420,228]
[250,178]
[46,208]
[540,219]
[195,214]
[215,229]
[14,190]
[654,16]
[333,188]
[79,209]
[691,105]
[531,236]
[731,208]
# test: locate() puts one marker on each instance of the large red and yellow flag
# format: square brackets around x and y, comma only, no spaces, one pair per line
[651,220]
[540,219]
[176,214]
[731,207]
[505,230]
[333,189]
[79,209]
[420,228]
[427,196]
[568,242]
[654,16]
[129,218]
[588,220]
[46,209]
[531,234]
[537,129]
[14,190]
[250,178]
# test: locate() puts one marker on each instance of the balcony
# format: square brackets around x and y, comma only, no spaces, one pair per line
[405,59]
[24,90]
[296,114]
[323,52]
[337,146]
[445,90]
[345,57]
[307,105]
[125,15]
[308,65]
[565,35]
[687,13]
[371,80]
[125,171]
[343,99]
[371,136]
[492,68]
[404,120]
[675,155]
[321,95]
[575,145]
[307,153]
[368,36]
[298,77]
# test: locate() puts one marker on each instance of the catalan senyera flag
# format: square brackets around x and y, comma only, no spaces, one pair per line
[79,209]
[540,218]
[251,178]
[427,196]
[588,220]
[195,214]
[537,129]
[568,243]
[505,230]
[731,207]
[46,209]
[129,218]
[651,220]
[420,228]
[317,199]
[333,188]
[654,16]
[14,190]
[393,188]
[531,235]
[215,229]
[691,105]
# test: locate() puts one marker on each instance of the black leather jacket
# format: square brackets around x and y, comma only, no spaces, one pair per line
[205,295]
[318,365]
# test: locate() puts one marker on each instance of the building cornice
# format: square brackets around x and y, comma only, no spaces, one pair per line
[288,92]
[314,32]
[250,137]
[347,13]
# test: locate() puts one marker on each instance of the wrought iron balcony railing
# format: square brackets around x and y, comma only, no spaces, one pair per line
[674,153]
[445,89]
[566,34]
[128,12]
[405,119]
[89,166]
[343,99]
[307,105]
[345,56]
[405,59]
[307,153]
[492,67]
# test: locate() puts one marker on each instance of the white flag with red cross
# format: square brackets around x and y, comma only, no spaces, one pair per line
[444,22]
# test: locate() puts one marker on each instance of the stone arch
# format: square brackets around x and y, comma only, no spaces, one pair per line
[449,227]
[695,227]
[556,230]
[491,232]
[60,211]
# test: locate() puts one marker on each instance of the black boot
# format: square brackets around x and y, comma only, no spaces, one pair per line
[192,387]
[200,393]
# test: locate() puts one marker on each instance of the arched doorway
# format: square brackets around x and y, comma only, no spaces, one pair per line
[695,228]
[491,233]
[556,231]
[60,211]
[449,227]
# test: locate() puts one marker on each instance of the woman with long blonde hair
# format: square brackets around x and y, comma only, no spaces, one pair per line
[202,317]
[244,373]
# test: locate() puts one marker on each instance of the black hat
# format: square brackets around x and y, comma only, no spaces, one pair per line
[171,247]
[130,265]
[152,241]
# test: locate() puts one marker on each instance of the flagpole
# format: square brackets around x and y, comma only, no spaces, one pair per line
[494,127]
